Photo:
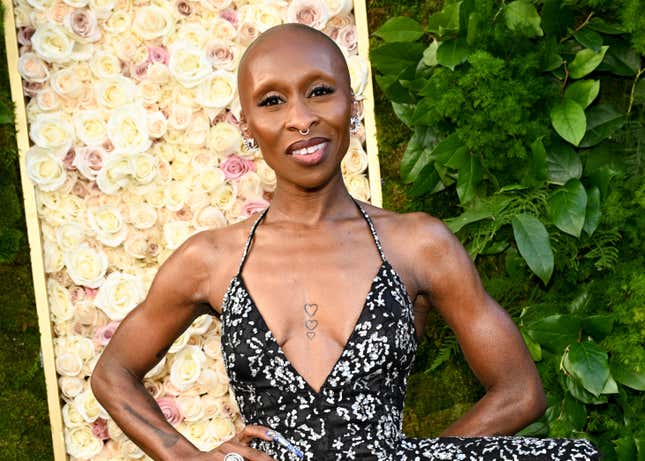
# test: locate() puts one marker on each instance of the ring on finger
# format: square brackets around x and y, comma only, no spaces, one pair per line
[233,457]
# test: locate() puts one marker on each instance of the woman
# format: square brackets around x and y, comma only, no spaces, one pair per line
[308,352]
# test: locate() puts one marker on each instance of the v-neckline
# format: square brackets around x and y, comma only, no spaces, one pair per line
[349,341]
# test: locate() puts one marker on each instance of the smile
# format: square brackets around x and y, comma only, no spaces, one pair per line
[309,150]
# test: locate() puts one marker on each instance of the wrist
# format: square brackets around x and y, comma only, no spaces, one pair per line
[182,450]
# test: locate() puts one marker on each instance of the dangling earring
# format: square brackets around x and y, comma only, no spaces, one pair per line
[354,124]
[249,144]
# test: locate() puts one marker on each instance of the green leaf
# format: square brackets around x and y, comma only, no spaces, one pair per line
[583,91]
[534,348]
[404,112]
[533,244]
[586,61]
[600,25]
[589,39]
[522,17]
[588,364]
[556,17]
[6,114]
[631,376]
[417,153]
[563,164]
[390,58]
[468,179]
[568,120]
[426,182]
[430,54]
[537,166]
[400,29]
[603,121]
[598,326]
[485,210]
[625,449]
[446,149]
[458,159]
[555,332]
[452,52]
[579,392]
[574,411]
[536,429]
[593,213]
[447,20]
[621,59]
[391,86]
[567,207]
[580,303]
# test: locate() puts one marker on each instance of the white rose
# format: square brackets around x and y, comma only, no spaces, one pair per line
[176,232]
[61,308]
[119,295]
[181,342]
[222,54]
[215,382]
[68,364]
[157,124]
[71,386]
[81,443]
[116,91]
[263,15]
[224,196]
[83,25]
[209,217]
[108,224]
[191,407]
[215,5]
[355,160]
[143,168]
[224,138]
[102,8]
[186,367]
[193,33]
[213,346]
[250,185]
[337,7]
[266,174]
[45,168]
[129,450]
[52,131]
[87,406]
[359,73]
[312,13]
[127,129]
[201,324]
[180,117]
[151,22]
[51,43]
[47,100]
[188,64]
[157,370]
[90,127]
[114,174]
[197,433]
[159,73]
[32,68]
[53,257]
[86,266]
[209,179]
[217,90]
[69,236]
[198,129]
[358,186]
[142,215]
[222,29]
[221,429]
[118,22]
[105,65]
[115,431]
[176,194]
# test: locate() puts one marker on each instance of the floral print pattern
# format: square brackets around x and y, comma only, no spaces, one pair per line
[357,414]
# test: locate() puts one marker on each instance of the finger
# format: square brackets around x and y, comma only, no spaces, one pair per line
[253,431]
[248,453]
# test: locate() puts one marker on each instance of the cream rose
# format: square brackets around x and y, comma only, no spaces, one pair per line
[87,406]
[262,15]
[312,13]
[249,185]
[358,186]
[180,117]
[81,443]
[218,90]
[157,124]
[188,64]
[90,127]
[222,29]
[191,407]
[221,429]
[32,68]
[70,236]
[186,367]
[105,65]
[201,324]
[152,22]
[108,224]
[221,54]
[86,266]
[47,99]
[267,175]
[61,308]
[83,25]
[51,43]
[116,91]
[142,215]
[209,217]
[338,7]
[71,416]
[143,168]
[359,73]
[53,257]
[209,179]
[68,364]
[127,129]
[224,138]
[176,232]
[52,131]
[120,294]
[175,195]
[45,168]
[157,370]
[71,386]
[224,196]
[89,161]
[114,174]
[118,22]
[355,160]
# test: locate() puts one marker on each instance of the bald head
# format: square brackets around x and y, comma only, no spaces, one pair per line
[291,31]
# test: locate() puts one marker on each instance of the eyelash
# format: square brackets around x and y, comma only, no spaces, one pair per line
[273,99]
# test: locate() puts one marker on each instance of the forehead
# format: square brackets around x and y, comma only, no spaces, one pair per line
[289,54]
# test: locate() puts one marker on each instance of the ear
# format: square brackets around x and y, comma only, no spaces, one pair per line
[355,104]
[244,126]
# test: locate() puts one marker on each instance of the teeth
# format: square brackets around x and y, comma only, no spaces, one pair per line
[308,150]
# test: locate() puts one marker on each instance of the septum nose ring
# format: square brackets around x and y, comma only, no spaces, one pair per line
[304,132]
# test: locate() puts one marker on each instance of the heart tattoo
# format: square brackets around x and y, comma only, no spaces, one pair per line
[310,323]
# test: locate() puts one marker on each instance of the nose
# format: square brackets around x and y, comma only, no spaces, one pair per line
[300,116]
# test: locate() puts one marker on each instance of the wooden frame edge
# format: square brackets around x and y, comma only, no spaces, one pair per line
[33,234]
[373,167]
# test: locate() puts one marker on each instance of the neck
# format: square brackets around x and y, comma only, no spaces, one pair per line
[311,207]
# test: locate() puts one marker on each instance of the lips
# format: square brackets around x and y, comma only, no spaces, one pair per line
[311,144]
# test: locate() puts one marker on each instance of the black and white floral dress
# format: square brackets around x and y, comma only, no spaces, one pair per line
[357,413]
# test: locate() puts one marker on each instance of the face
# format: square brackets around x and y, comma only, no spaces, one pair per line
[293,81]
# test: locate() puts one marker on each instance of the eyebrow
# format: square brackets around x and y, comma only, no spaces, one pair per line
[272,82]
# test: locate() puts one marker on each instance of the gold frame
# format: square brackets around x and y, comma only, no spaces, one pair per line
[31,215]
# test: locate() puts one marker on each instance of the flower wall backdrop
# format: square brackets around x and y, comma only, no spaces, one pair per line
[133,118]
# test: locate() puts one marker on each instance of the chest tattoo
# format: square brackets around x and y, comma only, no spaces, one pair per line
[311,324]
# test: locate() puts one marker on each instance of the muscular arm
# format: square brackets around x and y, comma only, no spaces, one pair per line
[487,335]
[177,296]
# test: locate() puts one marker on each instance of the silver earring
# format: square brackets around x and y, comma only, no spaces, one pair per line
[354,124]
[249,144]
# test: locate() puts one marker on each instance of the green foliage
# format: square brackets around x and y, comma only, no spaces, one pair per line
[527,123]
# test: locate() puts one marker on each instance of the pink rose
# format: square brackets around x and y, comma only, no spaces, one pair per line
[158,54]
[89,160]
[253,205]
[103,334]
[24,35]
[220,54]
[312,13]
[139,71]
[100,429]
[347,37]
[90,293]
[230,15]
[234,167]
[68,160]
[170,409]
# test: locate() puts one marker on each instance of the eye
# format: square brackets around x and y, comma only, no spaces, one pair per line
[321,90]
[271,100]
